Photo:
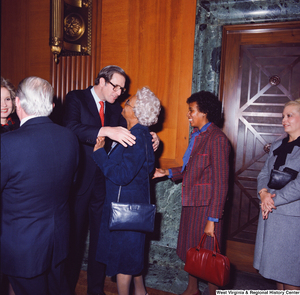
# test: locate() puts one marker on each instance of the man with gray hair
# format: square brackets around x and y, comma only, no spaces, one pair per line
[38,164]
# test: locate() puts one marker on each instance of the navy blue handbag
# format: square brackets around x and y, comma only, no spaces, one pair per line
[133,216]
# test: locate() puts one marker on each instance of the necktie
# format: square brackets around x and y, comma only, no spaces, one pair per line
[101,112]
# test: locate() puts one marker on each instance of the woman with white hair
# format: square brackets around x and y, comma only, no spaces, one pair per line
[123,251]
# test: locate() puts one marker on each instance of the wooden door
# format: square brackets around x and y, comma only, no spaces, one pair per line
[260,73]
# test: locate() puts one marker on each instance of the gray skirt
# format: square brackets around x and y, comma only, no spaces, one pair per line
[277,248]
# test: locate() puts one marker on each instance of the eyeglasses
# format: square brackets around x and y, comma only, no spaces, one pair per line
[117,88]
[128,104]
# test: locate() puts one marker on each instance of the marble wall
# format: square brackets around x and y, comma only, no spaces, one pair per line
[211,16]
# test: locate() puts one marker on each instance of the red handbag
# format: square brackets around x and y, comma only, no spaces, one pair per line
[208,265]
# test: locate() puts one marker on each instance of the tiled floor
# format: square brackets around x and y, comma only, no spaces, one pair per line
[110,287]
[168,281]
[175,281]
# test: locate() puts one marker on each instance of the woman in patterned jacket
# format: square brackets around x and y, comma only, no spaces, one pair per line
[204,176]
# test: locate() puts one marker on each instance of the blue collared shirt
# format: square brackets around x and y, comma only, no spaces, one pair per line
[188,151]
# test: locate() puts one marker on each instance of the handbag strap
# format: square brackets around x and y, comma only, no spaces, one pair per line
[216,244]
[119,193]
[148,182]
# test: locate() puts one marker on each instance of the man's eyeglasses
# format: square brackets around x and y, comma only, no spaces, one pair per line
[127,103]
[117,88]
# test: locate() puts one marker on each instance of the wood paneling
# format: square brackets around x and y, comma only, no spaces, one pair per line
[241,256]
[25,39]
[154,42]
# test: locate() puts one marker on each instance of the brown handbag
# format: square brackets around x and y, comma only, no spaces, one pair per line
[208,265]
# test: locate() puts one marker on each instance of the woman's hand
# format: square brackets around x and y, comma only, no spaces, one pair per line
[100,142]
[209,229]
[155,141]
[160,173]
[267,203]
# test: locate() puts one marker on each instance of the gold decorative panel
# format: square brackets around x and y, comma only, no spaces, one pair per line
[71,27]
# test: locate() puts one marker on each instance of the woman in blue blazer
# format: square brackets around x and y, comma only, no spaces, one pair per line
[123,251]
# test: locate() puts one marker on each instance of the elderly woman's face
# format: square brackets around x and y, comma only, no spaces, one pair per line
[291,121]
[196,118]
[128,112]
[6,103]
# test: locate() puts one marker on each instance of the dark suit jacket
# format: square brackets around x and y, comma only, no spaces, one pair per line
[205,179]
[38,163]
[82,117]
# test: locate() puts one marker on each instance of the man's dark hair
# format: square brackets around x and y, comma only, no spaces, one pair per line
[107,73]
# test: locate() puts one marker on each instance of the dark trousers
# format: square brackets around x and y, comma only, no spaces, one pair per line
[86,210]
[51,282]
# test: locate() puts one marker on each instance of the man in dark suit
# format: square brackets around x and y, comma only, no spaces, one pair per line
[82,117]
[82,110]
[38,164]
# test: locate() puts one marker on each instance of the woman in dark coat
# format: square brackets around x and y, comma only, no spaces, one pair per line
[277,250]
[204,176]
[123,251]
